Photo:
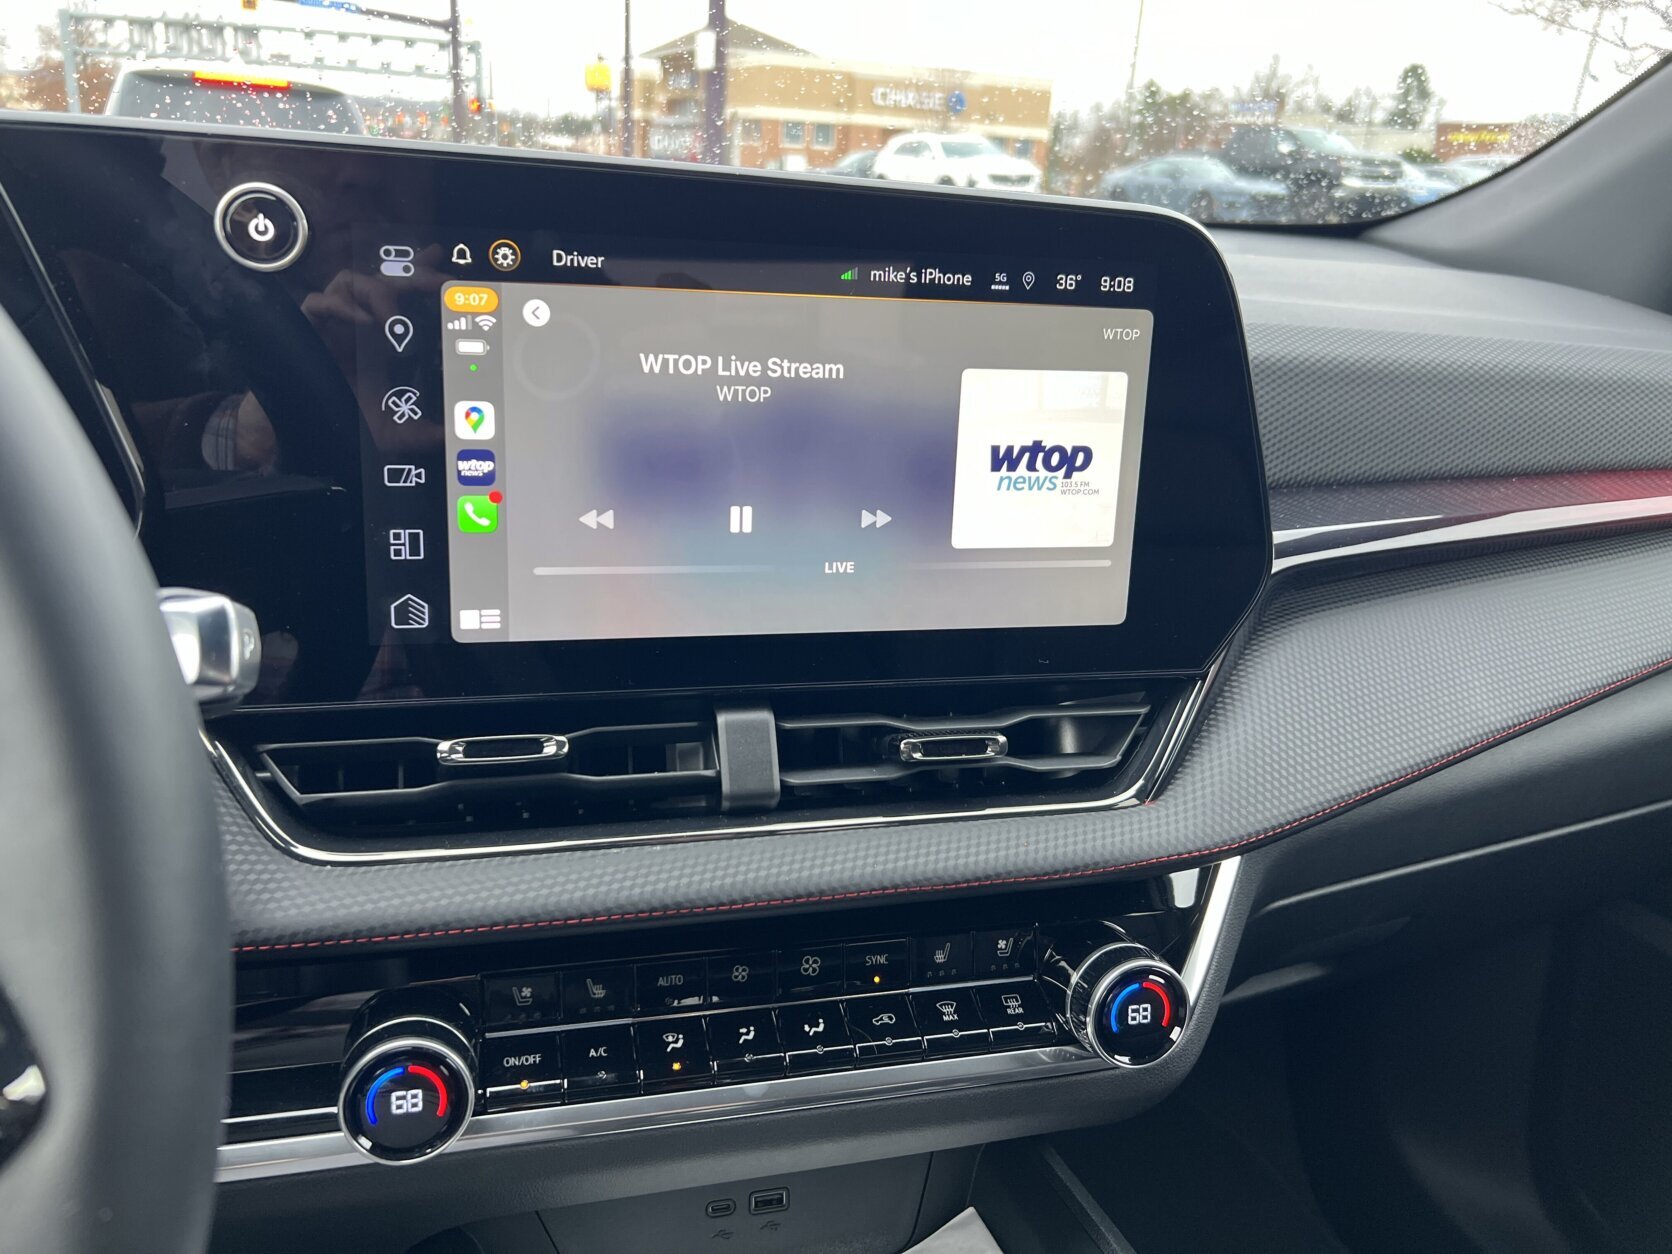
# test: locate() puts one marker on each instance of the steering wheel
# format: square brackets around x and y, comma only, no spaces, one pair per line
[114,944]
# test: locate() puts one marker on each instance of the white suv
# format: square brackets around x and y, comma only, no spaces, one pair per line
[954,160]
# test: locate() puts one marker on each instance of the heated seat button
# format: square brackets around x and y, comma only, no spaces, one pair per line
[519,1000]
[1016,1014]
[671,985]
[598,993]
[743,979]
[943,959]
[522,1070]
[879,966]
[883,1030]
[600,1062]
[811,971]
[745,1046]
[673,1054]
[950,1021]
[261,226]
[815,1037]
[1006,952]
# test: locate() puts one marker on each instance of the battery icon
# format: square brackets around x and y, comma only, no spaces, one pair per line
[470,348]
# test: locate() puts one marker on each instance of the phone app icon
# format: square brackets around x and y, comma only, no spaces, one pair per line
[476,468]
[473,420]
[479,515]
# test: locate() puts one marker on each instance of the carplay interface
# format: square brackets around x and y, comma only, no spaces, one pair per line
[663,460]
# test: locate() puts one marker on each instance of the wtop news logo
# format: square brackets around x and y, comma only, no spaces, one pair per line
[1038,461]
[1059,462]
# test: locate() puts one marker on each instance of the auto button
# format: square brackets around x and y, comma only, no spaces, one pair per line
[261,226]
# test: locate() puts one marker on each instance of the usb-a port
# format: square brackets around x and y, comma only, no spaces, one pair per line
[765,1201]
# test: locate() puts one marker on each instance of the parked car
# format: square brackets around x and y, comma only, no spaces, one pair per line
[954,161]
[1201,185]
[1328,178]
[232,95]
[1476,168]
[856,165]
[1422,187]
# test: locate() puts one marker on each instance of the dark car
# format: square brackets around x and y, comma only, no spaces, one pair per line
[1328,178]
[1201,185]
[856,165]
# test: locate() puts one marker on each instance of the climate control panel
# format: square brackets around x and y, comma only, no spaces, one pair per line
[420,1062]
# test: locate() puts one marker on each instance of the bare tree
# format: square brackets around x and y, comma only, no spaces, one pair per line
[1639,30]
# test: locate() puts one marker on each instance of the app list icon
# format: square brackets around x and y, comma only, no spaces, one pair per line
[476,468]
[479,515]
[473,420]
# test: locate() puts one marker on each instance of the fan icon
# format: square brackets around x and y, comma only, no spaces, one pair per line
[505,255]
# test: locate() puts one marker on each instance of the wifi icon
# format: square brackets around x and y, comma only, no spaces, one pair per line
[486,321]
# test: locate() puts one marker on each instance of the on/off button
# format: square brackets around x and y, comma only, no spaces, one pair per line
[261,226]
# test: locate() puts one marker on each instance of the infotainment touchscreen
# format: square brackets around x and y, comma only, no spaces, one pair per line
[662,455]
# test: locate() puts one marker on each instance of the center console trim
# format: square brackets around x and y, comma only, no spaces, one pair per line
[324,1151]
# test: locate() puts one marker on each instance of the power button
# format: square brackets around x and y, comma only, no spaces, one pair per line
[261,226]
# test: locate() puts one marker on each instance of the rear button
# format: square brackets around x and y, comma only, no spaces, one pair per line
[261,226]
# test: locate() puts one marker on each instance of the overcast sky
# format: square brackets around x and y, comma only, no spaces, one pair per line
[1486,64]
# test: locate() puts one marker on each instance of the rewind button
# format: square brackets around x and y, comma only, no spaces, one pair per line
[593,519]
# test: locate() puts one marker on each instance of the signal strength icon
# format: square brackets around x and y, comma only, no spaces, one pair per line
[458,324]
[849,275]
[486,321]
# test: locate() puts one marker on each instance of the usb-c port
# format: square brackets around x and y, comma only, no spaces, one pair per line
[765,1201]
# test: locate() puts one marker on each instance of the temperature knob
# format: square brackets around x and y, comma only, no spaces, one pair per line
[1124,1004]
[408,1088]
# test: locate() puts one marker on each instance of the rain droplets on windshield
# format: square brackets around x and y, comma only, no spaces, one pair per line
[1317,111]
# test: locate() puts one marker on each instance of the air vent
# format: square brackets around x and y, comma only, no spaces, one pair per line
[414,778]
[821,756]
[520,774]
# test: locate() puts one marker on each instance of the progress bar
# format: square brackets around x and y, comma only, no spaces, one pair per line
[649,570]
[1057,564]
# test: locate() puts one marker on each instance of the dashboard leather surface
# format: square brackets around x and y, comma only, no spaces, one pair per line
[1345,690]
[1372,367]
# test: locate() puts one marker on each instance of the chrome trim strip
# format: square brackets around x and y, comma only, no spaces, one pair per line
[1169,738]
[1290,548]
[313,1112]
[1210,930]
[322,1151]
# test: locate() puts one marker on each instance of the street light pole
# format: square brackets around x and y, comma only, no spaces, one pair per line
[714,89]
[627,149]
[1132,74]
[455,72]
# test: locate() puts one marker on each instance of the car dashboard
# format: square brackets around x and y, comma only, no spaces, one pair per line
[750,666]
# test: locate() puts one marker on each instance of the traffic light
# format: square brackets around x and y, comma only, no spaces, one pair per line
[247,5]
[475,105]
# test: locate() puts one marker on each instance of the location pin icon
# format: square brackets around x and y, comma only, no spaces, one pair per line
[399,331]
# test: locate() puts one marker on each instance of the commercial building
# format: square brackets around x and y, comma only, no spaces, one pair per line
[787,108]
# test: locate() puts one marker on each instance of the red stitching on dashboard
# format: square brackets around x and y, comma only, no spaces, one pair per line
[861,894]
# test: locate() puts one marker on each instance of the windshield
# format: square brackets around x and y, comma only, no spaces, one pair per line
[1081,90]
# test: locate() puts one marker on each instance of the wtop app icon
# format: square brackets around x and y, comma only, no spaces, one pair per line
[476,467]
[1039,456]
